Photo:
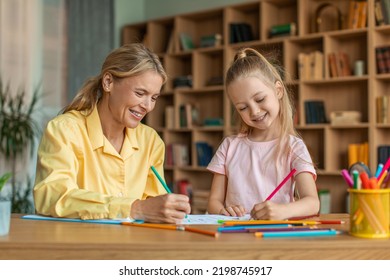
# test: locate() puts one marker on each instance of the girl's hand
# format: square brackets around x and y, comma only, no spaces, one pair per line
[234,211]
[268,210]
[168,208]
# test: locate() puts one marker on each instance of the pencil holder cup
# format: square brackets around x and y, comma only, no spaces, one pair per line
[369,213]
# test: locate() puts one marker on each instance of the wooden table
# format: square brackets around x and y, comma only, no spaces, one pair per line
[32,239]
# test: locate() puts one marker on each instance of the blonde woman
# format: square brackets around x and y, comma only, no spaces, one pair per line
[247,167]
[94,159]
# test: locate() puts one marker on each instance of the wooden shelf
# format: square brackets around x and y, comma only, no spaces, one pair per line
[327,143]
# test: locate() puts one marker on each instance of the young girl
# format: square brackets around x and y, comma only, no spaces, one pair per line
[249,166]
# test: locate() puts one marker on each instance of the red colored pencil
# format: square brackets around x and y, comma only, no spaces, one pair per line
[281,184]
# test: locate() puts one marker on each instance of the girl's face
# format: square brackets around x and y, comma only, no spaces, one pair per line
[130,99]
[257,104]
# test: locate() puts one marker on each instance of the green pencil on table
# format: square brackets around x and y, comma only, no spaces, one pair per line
[160,179]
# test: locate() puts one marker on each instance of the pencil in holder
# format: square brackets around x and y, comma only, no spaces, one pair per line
[369,213]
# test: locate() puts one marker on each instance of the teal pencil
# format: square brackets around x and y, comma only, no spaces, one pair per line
[297,233]
[160,179]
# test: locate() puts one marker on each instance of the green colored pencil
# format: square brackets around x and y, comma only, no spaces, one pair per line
[161,179]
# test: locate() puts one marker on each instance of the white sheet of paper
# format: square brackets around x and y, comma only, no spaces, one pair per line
[209,219]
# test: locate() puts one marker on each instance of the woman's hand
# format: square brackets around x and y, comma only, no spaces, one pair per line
[234,211]
[168,208]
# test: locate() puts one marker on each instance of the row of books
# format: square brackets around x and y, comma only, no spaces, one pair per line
[382,56]
[382,12]
[358,153]
[383,153]
[357,16]
[177,154]
[240,32]
[339,64]
[188,115]
[315,112]
[204,153]
[382,109]
[311,65]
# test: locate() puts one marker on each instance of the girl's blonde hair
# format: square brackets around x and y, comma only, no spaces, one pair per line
[249,62]
[126,61]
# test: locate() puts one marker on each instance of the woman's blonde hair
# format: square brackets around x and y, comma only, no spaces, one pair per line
[126,61]
[249,62]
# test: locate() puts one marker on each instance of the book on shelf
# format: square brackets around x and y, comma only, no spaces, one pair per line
[315,112]
[332,61]
[379,19]
[184,81]
[383,153]
[339,64]
[189,115]
[213,40]
[311,65]
[382,57]
[344,64]
[287,29]
[358,152]
[170,117]
[177,154]
[382,109]
[385,10]
[186,42]
[204,153]
[357,15]
[240,32]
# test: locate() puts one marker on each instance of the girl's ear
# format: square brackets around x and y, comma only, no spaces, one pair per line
[279,89]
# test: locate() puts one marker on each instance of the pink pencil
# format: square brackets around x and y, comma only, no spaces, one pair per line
[282,183]
[385,167]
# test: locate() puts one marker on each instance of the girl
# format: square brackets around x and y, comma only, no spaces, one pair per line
[248,167]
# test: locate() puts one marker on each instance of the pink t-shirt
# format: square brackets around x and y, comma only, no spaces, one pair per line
[252,172]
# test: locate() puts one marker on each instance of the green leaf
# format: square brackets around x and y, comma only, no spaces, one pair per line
[4,179]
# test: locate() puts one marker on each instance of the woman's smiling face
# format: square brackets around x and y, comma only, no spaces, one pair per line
[131,98]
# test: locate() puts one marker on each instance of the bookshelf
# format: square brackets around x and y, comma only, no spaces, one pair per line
[328,143]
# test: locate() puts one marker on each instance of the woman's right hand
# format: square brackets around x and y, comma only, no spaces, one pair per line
[169,208]
[233,210]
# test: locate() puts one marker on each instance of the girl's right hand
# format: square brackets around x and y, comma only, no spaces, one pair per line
[233,210]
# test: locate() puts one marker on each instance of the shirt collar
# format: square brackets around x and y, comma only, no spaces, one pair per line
[94,127]
[95,133]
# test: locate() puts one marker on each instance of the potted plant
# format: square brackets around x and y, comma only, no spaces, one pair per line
[18,133]
[5,207]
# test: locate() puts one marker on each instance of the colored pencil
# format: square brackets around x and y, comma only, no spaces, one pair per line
[233,228]
[281,184]
[172,227]
[386,166]
[347,177]
[201,231]
[297,233]
[160,179]
[158,226]
[287,229]
[270,222]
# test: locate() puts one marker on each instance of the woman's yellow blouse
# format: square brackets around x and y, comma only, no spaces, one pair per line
[81,175]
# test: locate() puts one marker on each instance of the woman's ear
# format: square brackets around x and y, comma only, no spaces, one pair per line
[279,89]
[107,82]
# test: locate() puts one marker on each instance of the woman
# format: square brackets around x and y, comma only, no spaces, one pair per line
[94,159]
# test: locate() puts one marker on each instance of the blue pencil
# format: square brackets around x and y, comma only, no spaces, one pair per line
[160,179]
[234,228]
[308,233]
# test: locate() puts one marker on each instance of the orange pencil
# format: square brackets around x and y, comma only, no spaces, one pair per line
[159,226]
[201,231]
